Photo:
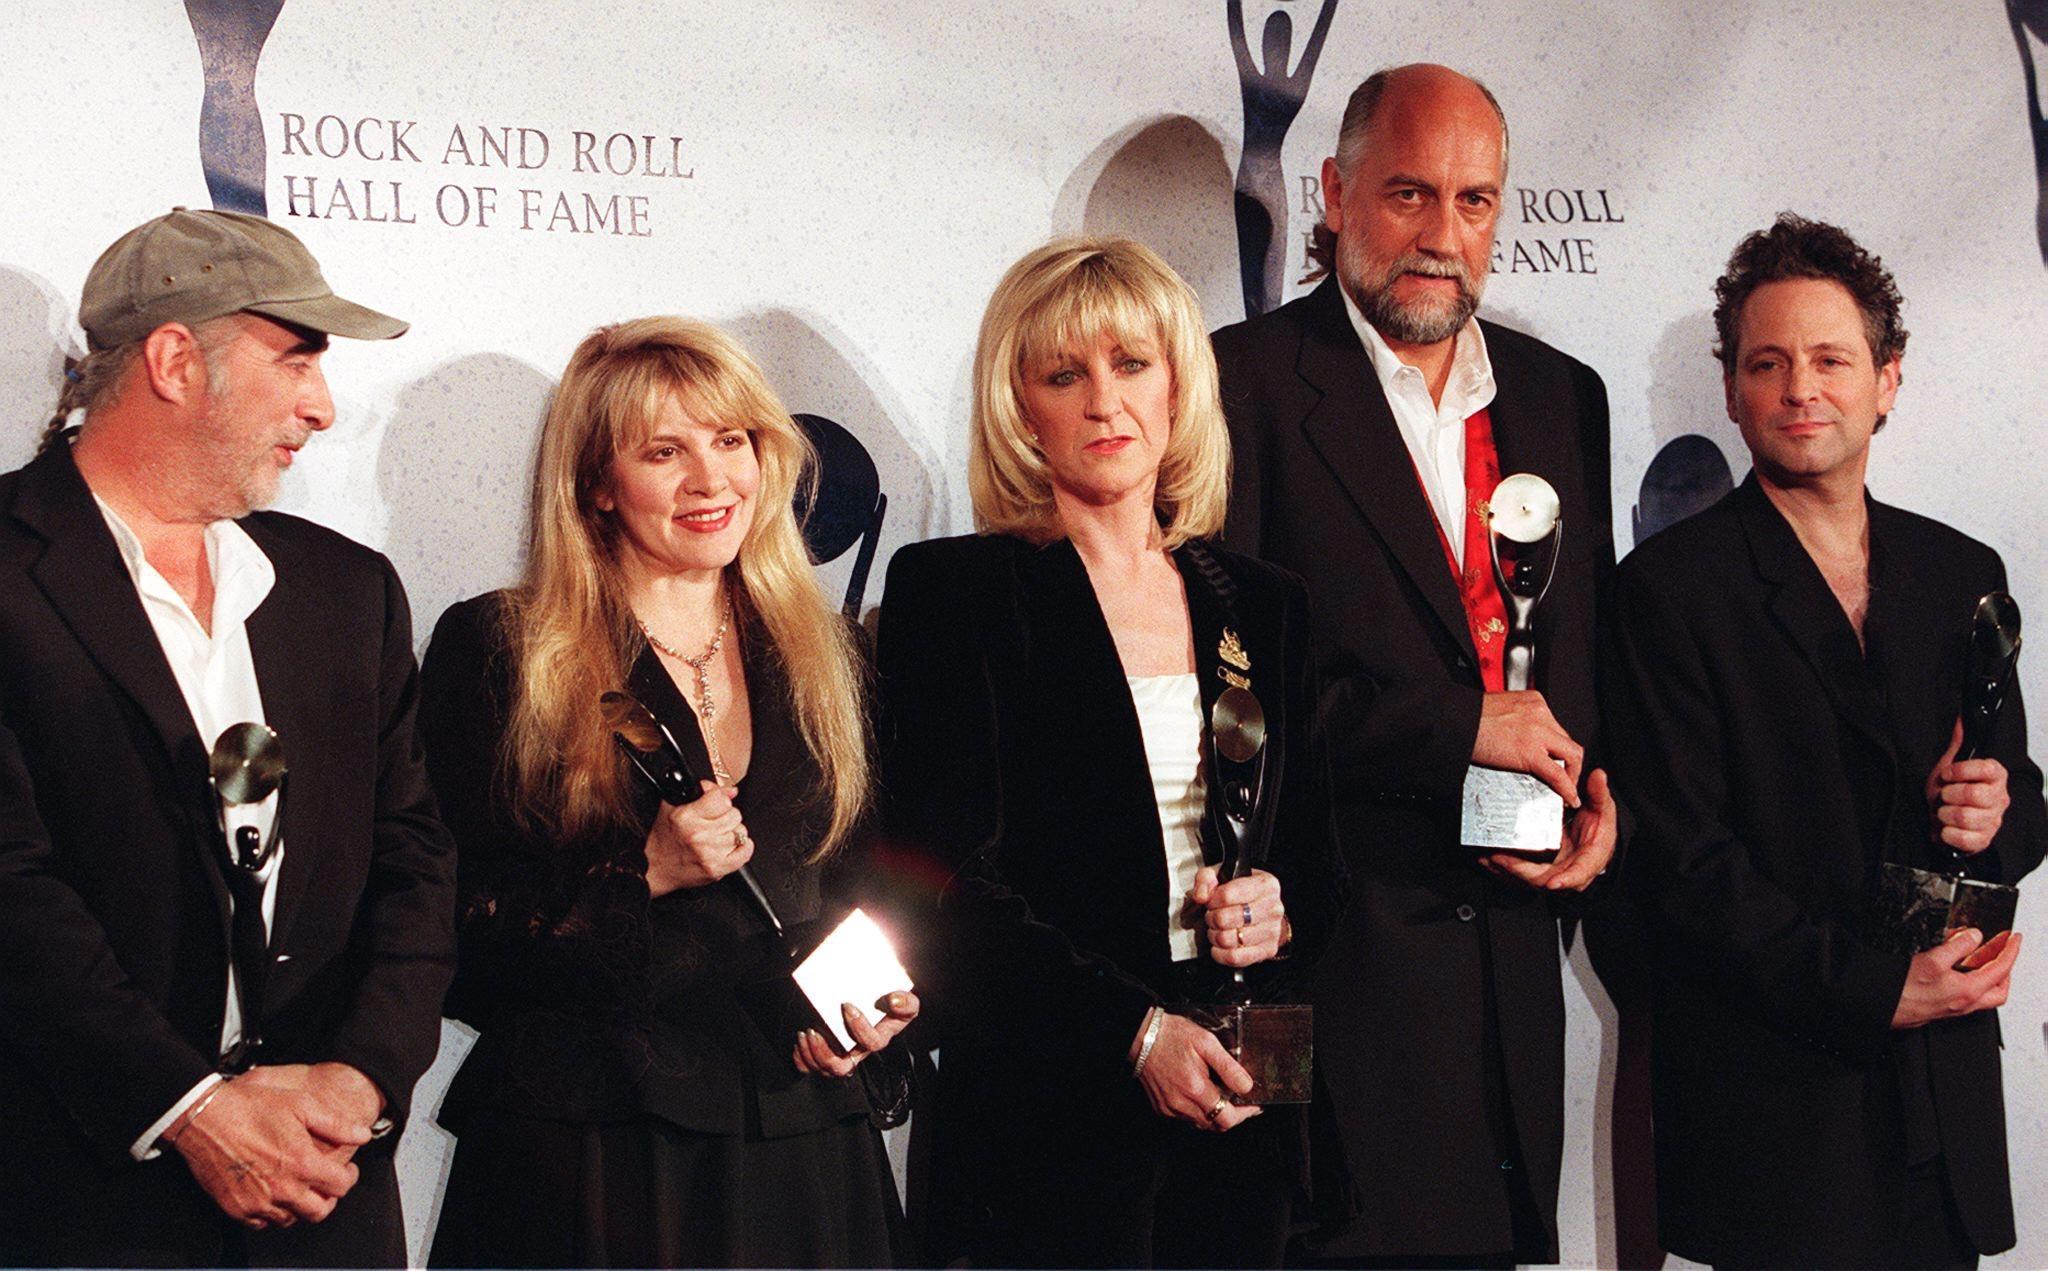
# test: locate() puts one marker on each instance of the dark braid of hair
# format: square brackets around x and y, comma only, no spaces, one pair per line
[70,397]
[90,382]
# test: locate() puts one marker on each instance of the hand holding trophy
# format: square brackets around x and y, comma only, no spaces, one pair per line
[1917,909]
[853,965]
[1507,811]
[1273,1042]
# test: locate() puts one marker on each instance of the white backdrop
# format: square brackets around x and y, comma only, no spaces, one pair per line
[842,183]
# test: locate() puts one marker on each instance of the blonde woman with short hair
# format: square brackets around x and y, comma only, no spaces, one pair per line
[1047,684]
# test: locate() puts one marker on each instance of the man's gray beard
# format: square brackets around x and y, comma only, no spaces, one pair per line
[1419,323]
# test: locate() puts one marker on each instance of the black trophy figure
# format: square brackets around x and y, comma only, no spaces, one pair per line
[1919,908]
[1272,98]
[246,766]
[231,34]
[2029,28]
[1273,1042]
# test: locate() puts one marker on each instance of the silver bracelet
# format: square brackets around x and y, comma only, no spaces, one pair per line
[1151,1037]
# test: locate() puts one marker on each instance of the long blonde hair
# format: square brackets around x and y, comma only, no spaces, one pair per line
[573,635]
[1072,291]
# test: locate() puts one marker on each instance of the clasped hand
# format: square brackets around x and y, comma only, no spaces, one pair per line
[697,843]
[273,1145]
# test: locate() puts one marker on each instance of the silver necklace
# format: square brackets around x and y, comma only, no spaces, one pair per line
[700,666]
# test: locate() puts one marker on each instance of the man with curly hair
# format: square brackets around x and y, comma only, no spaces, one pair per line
[1787,684]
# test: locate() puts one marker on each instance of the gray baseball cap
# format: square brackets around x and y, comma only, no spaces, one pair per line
[188,266]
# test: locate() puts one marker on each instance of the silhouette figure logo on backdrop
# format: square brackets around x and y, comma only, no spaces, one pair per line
[2030,30]
[1272,98]
[231,34]
[845,506]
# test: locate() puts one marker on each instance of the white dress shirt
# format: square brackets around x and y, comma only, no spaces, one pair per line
[1170,721]
[1434,431]
[217,676]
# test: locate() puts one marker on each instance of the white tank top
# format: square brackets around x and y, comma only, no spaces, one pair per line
[1170,719]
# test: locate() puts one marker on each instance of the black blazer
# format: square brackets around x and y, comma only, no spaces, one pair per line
[113,906]
[593,1002]
[1014,767]
[1324,486]
[1773,765]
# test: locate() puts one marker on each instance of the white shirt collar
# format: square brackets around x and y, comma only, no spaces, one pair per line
[1470,386]
[242,574]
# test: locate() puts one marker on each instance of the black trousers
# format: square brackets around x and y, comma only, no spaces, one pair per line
[1162,1194]
[83,1213]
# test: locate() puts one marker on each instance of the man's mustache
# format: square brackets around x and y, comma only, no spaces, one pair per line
[1430,267]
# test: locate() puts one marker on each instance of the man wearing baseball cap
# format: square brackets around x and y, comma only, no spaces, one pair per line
[216,993]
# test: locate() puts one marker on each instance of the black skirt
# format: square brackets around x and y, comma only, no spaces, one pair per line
[530,1193]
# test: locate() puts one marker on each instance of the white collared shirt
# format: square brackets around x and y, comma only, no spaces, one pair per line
[1434,431]
[216,674]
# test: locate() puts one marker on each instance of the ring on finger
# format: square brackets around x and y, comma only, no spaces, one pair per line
[1216,1110]
[1247,914]
[739,839]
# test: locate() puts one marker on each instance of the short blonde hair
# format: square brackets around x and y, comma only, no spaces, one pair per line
[1071,292]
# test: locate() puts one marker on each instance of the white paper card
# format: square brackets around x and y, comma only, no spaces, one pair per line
[857,964]
[1510,812]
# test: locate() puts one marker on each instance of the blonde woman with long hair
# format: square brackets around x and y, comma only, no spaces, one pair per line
[1047,685]
[621,1105]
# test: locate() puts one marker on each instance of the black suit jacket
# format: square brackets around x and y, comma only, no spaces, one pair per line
[113,906]
[1324,485]
[593,1002]
[1773,764]
[1014,767]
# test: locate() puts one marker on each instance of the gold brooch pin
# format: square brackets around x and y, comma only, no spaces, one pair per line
[1231,650]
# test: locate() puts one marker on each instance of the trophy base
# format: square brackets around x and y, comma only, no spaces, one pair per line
[1510,812]
[1276,1046]
[1918,908]
[852,962]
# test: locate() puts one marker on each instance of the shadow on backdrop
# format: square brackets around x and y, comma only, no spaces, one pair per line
[1272,98]
[2030,30]
[1688,475]
[815,370]
[1164,181]
[35,335]
[455,471]
[1689,422]
[231,34]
